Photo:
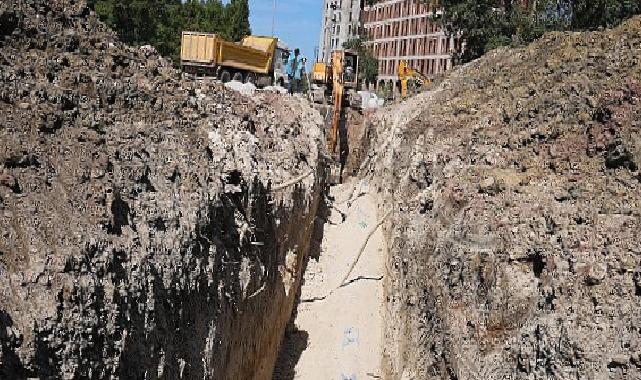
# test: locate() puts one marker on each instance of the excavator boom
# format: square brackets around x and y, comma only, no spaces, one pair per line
[405,73]
[338,90]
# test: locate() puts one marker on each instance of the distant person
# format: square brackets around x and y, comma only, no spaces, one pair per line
[299,74]
[292,65]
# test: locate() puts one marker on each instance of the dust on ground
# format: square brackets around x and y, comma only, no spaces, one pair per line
[338,330]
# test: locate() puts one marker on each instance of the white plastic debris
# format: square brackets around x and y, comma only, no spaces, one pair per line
[277,89]
[370,100]
[247,89]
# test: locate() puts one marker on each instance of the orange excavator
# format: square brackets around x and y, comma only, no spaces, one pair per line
[405,73]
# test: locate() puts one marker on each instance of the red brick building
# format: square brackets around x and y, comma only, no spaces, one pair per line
[405,29]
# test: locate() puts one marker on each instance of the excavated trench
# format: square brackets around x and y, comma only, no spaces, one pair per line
[336,329]
[153,226]
[158,227]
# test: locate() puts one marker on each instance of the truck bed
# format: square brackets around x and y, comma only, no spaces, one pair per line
[204,49]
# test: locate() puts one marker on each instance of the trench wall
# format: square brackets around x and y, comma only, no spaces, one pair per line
[513,244]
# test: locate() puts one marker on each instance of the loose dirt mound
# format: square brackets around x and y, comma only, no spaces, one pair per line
[144,229]
[515,237]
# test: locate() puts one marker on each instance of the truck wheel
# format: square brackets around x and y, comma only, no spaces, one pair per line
[238,77]
[250,78]
[225,76]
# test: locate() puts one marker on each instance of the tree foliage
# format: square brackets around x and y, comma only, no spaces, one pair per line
[368,64]
[161,22]
[487,24]
[590,14]
[237,19]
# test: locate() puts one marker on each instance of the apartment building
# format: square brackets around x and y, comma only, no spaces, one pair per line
[340,24]
[406,29]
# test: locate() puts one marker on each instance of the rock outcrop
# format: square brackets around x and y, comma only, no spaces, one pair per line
[152,226]
[514,237]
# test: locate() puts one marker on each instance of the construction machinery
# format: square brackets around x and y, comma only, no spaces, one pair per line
[256,59]
[321,73]
[405,73]
[344,81]
[320,78]
[324,78]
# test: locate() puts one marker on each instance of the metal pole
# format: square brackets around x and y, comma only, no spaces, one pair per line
[273,17]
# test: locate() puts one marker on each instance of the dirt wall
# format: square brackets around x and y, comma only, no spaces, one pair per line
[514,185]
[153,226]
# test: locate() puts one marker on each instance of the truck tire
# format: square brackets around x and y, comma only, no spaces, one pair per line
[238,76]
[225,76]
[250,78]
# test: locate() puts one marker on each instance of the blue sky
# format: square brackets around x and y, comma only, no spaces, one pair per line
[297,22]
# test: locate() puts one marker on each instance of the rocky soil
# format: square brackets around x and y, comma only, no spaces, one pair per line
[357,135]
[152,226]
[515,185]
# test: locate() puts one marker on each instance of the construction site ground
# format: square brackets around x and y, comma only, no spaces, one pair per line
[338,329]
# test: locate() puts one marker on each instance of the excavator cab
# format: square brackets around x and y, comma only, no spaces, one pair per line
[350,68]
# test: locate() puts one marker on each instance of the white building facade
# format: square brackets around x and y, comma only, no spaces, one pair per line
[340,23]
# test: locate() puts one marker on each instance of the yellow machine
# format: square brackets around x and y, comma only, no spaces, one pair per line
[323,77]
[405,73]
[320,72]
[320,78]
[337,95]
[255,59]
[343,81]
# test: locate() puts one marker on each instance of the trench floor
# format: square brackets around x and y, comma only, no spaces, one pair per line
[339,335]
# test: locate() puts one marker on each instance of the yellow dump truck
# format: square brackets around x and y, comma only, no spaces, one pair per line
[256,59]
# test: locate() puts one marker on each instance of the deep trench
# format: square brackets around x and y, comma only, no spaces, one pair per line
[352,141]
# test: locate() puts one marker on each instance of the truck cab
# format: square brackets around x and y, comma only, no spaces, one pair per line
[280,60]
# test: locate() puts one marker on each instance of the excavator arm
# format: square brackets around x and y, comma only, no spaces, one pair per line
[405,72]
[338,91]
[333,144]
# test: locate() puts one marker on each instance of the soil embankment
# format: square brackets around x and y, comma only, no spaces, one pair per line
[152,226]
[514,241]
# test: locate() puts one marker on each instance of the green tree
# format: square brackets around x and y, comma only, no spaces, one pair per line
[487,24]
[168,29]
[237,20]
[368,64]
[591,14]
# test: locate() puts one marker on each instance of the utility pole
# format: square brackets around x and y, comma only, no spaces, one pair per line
[273,17]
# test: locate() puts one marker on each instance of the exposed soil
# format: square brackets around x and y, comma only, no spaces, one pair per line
[514,241]
[152,226]
[338,330]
